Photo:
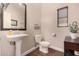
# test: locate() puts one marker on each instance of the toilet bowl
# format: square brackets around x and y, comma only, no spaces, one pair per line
[43,45]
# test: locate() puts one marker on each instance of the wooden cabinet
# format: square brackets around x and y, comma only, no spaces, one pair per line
[70,45]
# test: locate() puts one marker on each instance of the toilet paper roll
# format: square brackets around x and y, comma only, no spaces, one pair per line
[54,34]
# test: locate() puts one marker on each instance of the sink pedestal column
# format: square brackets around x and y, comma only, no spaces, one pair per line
[18,47]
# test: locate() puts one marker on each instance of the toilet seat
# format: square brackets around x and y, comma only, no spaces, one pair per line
[44,43]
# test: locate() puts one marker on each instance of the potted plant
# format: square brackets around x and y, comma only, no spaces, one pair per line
[73,29]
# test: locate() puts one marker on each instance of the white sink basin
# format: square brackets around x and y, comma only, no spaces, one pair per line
[16,36]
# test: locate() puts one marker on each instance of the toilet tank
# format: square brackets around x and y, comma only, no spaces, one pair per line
[38,38]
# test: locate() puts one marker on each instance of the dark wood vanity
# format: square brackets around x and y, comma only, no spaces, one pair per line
[70,45]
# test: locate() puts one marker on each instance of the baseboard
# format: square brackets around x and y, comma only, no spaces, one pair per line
[56,48]
[32,49]
[29,51]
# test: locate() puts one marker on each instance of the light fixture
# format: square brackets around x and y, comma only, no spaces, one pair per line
[4,5]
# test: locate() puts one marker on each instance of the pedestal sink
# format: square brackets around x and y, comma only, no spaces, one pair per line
[12,37]
[16,38]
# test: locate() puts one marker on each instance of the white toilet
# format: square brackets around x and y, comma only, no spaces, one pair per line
[43,45]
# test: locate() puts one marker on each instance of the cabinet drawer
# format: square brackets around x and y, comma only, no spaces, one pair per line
[72,46]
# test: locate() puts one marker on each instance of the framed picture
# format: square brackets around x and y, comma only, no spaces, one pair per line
[13,22]
[62,17]
[36,26]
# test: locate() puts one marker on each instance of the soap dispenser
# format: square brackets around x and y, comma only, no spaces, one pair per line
[10,32]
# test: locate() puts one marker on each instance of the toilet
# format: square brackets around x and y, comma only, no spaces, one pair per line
[43,45]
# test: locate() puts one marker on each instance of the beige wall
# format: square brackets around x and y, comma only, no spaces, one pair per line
[49,22]
[33,17]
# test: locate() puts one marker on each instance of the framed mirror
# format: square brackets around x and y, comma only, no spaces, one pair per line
[62,17]
[13,16]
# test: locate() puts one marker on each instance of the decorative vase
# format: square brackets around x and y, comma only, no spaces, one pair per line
[73,35]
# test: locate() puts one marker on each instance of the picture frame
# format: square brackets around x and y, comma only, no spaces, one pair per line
[62,17]
[36,27]
[13,22]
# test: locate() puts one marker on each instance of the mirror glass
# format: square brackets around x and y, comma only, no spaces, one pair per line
[14,16]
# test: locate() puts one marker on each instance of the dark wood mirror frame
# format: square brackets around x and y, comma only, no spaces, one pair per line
[14,28]
[66,7]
